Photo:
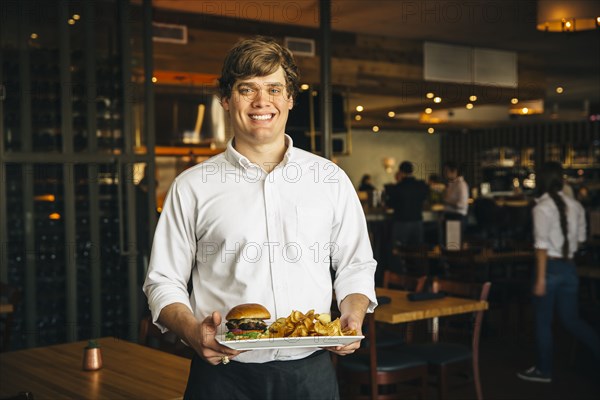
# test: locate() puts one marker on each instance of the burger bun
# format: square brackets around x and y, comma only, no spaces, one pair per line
[248,310]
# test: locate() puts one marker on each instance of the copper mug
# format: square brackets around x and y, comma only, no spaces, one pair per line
[92,358]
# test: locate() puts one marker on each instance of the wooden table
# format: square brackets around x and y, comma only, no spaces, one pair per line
[400,309]
[130,371]
[6,308]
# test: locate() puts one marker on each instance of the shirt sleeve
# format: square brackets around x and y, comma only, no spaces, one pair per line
[352,255]
[541,229]
[581,224]
[173,253]
[463,197]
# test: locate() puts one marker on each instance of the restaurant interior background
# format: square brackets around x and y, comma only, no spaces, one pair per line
[97,95]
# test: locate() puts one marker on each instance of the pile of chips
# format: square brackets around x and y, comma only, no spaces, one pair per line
[298,324]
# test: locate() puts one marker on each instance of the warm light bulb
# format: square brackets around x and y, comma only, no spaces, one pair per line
[71,21]
[76,17]
[428,110]
[514,100]
[430,131]
[469,106]
[598,20]
[154,79]
[568,24]
[472,98]
[358,117]
[524,110]
[429,95]
[54,216]
[437,100]
[34,36]
[304,86]
[375,129]
[359,108]
[559,90]
[391,114]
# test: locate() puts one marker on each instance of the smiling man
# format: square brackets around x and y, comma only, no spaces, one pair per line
[262,222]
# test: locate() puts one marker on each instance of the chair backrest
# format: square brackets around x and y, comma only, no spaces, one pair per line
[414,257]
[470,290]
[11,295]
[19,396]
[404,282]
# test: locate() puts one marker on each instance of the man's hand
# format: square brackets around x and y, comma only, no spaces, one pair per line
[353,322]
[200,335]
[539,288]
[353,308]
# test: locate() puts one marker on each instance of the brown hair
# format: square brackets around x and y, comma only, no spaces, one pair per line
[259,56]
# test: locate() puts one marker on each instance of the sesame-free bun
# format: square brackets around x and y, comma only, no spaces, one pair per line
[248,310]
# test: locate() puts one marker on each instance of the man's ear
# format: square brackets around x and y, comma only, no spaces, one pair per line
[225,103]
[291,103]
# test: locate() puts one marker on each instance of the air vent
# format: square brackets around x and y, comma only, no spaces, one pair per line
[300,47]
[169,33]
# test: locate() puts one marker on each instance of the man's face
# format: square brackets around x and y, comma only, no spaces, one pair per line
[258,108]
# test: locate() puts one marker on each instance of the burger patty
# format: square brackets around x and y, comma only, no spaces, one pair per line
[246,324]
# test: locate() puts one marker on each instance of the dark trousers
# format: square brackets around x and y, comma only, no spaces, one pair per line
[310,378]
[407,233]
[561,291]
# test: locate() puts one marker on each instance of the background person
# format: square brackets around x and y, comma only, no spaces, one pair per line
[407,198]
[559,226]
[456,196]
[259,223]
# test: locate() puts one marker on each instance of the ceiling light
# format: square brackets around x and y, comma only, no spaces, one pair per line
[375,128]
[514,100]
[559,90]
[304,86]
[437,99]
[567,16]
[391,114]
[71,21]
[154,79]
[429,95]
[524,110]
[428,110]
[430,131]
[33,36]
[469,106]
[357,117]
[76,17]
[473,98]
[359,108]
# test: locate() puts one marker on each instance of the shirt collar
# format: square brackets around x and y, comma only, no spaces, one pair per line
[236,158]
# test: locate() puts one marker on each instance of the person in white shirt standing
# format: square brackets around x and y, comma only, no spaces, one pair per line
[559,227]
[456,197]
[262,222]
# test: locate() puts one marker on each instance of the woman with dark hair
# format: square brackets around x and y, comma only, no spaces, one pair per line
[559,226]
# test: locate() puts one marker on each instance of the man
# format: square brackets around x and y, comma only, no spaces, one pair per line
[259,223]
[407,198]
[456,196]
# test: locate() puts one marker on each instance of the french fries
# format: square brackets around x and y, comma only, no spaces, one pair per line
[298,324]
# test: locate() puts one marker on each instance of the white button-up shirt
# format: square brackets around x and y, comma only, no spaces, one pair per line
[546,225]
[456,196]
[245,236]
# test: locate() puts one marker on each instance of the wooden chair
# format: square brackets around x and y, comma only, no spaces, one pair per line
[151,336]
[19,396]
[10,295]
[392,335]
[381,373]
[444,358]
[413,259]
[460,264]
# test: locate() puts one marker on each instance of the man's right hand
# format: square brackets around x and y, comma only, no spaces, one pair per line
[203,340]
[200,335]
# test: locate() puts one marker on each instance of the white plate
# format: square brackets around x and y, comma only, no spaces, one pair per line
[287,343]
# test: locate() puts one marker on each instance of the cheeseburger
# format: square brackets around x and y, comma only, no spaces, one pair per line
[246,321]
